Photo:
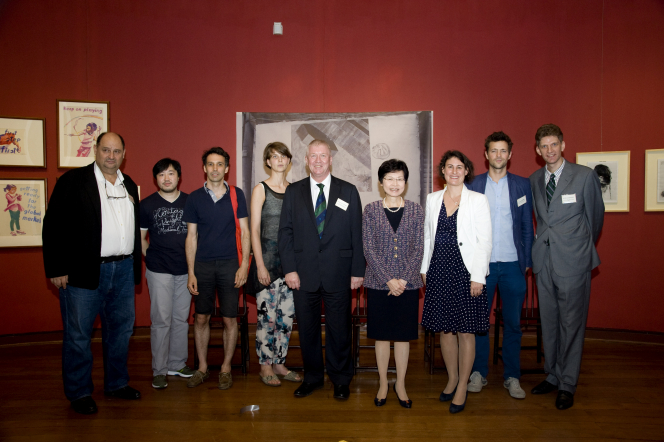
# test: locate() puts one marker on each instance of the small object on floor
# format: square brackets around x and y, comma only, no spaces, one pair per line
[564,400]
[454,408]
[84,405]
[225,380]
[266,380]
[543,387]
[307,388]
[291,376]
[159,382]
[514,387]
[198,378]
[251,408]
[128,393]
[341,392]
[444,397]
[404,404]
[476,382]
[184,372]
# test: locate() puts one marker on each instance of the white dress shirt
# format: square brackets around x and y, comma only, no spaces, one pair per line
[315,190]
[117,216]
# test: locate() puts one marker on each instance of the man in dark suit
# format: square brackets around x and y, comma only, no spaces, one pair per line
[320,245]
[92,254]
[570,212]
[510,199]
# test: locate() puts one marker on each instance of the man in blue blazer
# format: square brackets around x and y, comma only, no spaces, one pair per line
[510,200]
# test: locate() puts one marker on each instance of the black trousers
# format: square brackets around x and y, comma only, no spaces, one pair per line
[338,358]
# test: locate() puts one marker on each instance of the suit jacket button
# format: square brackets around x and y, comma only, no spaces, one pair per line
[320,251]
[395,256]
[460,244]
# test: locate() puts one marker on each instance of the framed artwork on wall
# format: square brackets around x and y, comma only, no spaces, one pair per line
[22,142]
[654,197]
[79,125]
[612,168]
[23,208]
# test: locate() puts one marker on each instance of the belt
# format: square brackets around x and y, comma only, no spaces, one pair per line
[107,259]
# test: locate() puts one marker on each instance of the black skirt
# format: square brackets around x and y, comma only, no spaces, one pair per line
[392,318]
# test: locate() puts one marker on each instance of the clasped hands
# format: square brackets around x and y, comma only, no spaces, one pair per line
[396,286]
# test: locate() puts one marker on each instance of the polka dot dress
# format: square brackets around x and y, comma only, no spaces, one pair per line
[448,306]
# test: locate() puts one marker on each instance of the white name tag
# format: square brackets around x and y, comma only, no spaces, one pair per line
[521,201]
[343,205]
[567,199]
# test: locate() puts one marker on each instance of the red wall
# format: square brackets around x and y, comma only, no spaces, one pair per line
[176,72]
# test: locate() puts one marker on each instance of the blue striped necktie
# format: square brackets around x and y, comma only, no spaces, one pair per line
[320,211]
[550,189]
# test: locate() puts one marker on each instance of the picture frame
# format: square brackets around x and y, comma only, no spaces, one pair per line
[23,209]
[613,169]
[654,185]
[22,142]
[79,125]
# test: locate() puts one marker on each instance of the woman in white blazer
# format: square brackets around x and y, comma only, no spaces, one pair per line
[457,250]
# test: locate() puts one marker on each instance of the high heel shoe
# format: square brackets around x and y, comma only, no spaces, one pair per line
[454,408]
[404,404]
[380,402]
[444,397]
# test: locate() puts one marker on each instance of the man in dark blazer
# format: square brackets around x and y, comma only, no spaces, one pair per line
[320,245]
[92,254]
[569,212]
[510,199]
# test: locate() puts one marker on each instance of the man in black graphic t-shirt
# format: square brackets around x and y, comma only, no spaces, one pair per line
[166,273]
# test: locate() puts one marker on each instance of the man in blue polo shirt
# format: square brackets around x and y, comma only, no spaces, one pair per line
[510,201]
[212,260]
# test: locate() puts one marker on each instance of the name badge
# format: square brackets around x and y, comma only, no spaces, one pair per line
[571,198]
[343,205]
[521,201]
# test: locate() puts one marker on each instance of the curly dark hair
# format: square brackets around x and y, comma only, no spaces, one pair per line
[498,136]
[461,157]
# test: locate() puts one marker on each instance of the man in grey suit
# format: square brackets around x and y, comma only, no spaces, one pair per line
[570,212]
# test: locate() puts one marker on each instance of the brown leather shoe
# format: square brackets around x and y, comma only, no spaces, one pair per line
[225,381]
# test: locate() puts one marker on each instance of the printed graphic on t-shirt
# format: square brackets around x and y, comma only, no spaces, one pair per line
[169,219]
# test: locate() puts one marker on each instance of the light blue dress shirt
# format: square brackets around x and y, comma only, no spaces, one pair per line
[498,195]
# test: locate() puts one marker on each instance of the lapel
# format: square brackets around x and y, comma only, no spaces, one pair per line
[511,187]
[539,181]
[92,190]
[335,190]
[306,196]
[563,181]
[481,183]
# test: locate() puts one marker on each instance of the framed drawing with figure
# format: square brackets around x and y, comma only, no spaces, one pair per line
[612,169]
[23,208]
[22,142]
[654,198]
[79,125]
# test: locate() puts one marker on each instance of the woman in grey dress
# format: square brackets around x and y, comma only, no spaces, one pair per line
[274,301]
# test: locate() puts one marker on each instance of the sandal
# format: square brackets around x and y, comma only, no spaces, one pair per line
[266,380]
[292,377]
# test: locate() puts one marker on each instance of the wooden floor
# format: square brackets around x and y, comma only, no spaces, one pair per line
[620,397]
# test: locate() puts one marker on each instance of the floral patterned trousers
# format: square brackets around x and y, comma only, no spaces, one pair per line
[274,324]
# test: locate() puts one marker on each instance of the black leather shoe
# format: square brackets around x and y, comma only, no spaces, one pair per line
[543,387]
[84,405]
[306,388]
[404,404]
[444,397]
[341,392]
[127,392]
[564,400]
[454,408]
[380,402]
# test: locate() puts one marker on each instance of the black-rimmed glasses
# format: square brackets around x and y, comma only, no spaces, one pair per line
[110,197]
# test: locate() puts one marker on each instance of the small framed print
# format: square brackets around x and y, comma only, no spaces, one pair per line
[654,180]
[22,142]
[24,205]
[612,168]
[79,125]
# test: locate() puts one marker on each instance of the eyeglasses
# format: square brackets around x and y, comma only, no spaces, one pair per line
[394,180]
[115,197]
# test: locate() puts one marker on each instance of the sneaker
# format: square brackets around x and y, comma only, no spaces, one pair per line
[476,382]
[512,384]
[159,381]
[184,372]
[198,378]
[225,381]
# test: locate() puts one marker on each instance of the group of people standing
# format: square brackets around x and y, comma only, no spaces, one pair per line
[312,245]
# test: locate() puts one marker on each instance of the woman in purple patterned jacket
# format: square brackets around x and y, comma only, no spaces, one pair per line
[393,236]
